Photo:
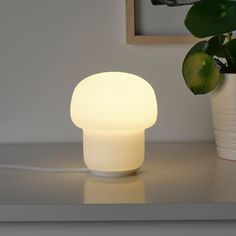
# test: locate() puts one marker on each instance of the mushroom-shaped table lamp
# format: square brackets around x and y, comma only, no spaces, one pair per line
[113,109]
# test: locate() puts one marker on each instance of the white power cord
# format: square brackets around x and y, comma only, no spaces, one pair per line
[44,169]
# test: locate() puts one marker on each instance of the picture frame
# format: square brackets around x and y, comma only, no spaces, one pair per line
[132,37]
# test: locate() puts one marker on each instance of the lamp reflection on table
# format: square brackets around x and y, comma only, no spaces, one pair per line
[114,190]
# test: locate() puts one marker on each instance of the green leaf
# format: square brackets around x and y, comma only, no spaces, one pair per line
[201,46]
[211,17]
[231,47]
[201,73]
[216,46]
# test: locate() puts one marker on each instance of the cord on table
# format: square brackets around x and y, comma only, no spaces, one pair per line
[44,169]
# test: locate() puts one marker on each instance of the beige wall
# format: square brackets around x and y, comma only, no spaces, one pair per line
[48,46]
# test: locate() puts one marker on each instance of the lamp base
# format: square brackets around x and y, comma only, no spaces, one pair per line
[113,153]
[114,174]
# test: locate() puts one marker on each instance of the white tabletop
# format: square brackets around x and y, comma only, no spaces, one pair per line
[178,181]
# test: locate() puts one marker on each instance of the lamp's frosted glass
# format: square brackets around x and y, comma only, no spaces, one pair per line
[113,109]
[113,100]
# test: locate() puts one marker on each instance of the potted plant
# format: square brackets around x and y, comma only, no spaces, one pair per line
[210,66]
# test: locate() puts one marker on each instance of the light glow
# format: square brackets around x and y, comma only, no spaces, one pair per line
[113,109]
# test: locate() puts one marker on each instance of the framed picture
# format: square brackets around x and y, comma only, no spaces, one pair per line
[149,24]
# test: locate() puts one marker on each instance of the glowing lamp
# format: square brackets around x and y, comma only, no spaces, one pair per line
[113,109]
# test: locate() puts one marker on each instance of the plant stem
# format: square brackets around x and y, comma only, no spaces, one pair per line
[227,56]
[229,36]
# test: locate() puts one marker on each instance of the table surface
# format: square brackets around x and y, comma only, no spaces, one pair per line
[178,181]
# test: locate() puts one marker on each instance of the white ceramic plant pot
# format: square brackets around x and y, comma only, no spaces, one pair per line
[223,106]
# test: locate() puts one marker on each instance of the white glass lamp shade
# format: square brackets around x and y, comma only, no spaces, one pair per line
[113,109]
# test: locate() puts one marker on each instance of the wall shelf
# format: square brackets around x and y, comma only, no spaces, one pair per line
[178,181]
